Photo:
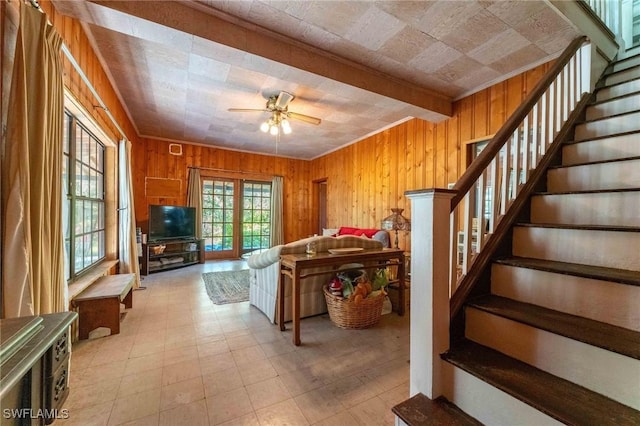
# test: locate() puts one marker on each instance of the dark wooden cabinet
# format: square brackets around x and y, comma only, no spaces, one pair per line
[34,370]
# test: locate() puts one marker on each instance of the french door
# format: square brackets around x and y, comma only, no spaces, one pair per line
[236,217]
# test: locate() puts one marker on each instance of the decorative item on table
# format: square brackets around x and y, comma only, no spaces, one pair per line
[360,303]
[311,246]
[396,222]
[158,249]
[335,286]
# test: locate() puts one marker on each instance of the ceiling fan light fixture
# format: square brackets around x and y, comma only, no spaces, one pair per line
[274,130]
[286,127]
[264,127]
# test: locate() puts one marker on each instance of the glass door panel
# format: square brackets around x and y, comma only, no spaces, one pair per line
[256,216]
[218,218]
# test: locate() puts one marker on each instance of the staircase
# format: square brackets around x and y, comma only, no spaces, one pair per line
[557,340]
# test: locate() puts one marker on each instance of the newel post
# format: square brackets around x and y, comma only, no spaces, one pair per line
[430,252]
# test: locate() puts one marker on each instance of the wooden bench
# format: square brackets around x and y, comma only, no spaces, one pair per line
[99,304]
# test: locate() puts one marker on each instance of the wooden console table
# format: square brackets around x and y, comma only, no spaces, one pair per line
[294,266]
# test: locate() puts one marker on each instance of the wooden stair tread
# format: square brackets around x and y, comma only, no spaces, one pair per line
[610,71]
[596,138]
[591,163]
[556,397]
[588,191]
[622,276]
[420,410]
[616,228]
[615,98]
[610,337]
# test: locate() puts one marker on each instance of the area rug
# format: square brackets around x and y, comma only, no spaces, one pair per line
[227,287]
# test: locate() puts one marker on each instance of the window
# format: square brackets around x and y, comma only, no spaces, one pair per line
[84,183]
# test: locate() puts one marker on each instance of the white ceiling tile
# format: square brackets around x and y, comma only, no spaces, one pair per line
[499,46]
[179,86]
[373,28]
[435,57]
[211,68]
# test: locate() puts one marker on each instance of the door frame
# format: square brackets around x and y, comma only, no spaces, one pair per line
[319,204]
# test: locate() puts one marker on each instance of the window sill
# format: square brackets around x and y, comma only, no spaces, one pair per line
[85,281]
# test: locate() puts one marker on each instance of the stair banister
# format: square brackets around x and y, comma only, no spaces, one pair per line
[494,179]
[526,137]
[471,175]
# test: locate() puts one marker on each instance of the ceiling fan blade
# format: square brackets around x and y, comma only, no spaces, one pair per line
[305,118]
[247,110]
[283,100]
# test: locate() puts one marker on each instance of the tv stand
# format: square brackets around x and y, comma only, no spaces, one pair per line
[176,254]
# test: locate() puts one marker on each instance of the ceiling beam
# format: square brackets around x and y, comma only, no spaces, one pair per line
[219,27]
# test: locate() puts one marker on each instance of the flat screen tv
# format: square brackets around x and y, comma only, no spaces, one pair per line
[171,222]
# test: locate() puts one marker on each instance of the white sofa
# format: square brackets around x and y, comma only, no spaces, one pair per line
[264,270]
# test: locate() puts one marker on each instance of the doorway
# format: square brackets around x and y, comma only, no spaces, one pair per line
[320,204]
[236,217]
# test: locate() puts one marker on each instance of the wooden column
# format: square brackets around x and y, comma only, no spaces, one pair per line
[430,251]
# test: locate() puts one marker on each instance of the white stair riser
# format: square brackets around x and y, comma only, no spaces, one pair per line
[598,300]
[621,76]
[626,64]
[613,107]
[604,149]
[618,90]
[615,377]
[613,249]
[600,176]
[488,404]
[609,126]
[622,209]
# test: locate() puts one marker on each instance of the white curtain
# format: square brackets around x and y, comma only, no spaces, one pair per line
[33,257]
[128,251]
[277,228]
[194,198]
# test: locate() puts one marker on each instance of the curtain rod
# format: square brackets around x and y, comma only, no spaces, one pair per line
[84,77]
[233,171]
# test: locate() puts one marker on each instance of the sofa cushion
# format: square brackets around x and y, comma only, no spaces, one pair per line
[369,233]
[330,232]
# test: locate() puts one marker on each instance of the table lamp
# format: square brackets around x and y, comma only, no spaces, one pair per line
[395,221]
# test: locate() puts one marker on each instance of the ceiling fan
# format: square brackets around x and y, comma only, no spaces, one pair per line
[278,106]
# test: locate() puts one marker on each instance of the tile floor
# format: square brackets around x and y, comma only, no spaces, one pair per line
[181,360]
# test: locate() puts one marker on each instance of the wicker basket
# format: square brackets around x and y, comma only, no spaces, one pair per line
[394,296]
[158,249]
[346,314]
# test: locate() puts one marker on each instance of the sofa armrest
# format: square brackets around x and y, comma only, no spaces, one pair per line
[265,258]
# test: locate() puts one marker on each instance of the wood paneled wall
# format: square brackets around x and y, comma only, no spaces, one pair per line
[152,159]
[366,179]
[78,44]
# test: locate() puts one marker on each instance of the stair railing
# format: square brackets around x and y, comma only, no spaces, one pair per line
[608,11]
[459,223]
[486,190]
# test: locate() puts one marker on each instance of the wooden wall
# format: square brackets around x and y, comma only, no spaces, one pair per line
[366,179]
[78,44]
[152,159]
